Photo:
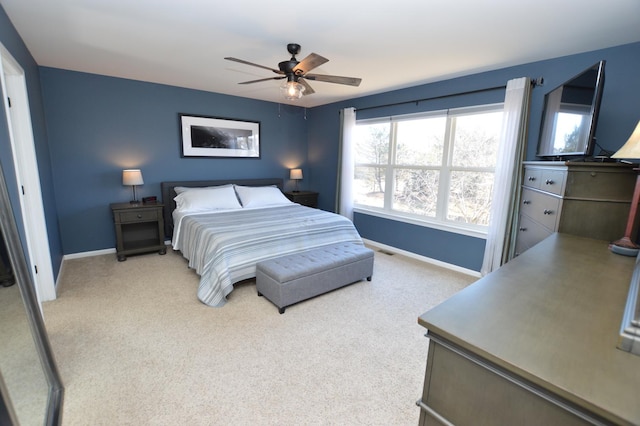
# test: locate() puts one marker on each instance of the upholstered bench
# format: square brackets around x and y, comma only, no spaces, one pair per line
[296,277]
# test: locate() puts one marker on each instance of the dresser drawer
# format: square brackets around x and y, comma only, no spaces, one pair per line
[553,181]
[541,207]
[530,233]
[134,216]
[464,389]
[601,185]
[578,217]
[532,178]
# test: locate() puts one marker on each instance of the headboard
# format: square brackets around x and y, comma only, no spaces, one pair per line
[168,194]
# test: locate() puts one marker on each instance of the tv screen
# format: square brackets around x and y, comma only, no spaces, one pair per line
[571,115]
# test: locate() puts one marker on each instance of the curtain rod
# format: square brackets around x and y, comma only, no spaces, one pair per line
[416,101]
[534,82]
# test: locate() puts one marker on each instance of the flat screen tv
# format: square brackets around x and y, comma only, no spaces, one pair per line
[570,116]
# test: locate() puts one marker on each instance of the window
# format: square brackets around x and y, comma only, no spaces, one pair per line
[435,167]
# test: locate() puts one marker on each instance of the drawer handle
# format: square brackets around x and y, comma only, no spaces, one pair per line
[139,216]
[531,178]
[546,211]
[526,201]
[523,229]
[549,182]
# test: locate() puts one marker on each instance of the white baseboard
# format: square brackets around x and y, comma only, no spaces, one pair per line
[95,253]
[371,243]
[78,256]
[87,254]
[421,258]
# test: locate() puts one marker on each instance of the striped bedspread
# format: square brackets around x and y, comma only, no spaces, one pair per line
[224,247]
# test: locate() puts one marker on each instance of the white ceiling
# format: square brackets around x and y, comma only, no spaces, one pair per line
[390,45]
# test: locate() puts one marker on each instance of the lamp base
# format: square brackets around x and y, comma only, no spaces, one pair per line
[625,247]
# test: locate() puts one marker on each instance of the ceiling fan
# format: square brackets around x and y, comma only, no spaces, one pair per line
[297,72]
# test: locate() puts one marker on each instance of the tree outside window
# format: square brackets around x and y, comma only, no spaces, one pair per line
[438,167]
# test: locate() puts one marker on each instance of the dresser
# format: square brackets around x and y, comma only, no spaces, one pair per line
[581,198]
[535,342]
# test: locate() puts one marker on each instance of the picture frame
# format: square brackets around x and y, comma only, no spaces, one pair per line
[204,136]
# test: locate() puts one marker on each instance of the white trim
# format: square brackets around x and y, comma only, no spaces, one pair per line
[444,170]
[88,254]
[421,258]
[78,256]
[424,222]
[371,243]
[402,117]
[27,175]
[92,253]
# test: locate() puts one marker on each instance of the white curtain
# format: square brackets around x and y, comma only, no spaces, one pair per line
[500,244]
[344,192]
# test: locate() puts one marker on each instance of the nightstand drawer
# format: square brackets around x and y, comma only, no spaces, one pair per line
[307,200]
[137,216]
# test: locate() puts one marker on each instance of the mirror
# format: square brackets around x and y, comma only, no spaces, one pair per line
[571,114]
[30,385]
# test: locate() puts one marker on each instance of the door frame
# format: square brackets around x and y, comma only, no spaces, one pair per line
[20,128]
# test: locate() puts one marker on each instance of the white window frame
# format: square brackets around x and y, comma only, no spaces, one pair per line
[446,168]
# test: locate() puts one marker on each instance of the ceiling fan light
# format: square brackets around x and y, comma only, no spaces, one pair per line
[292,90]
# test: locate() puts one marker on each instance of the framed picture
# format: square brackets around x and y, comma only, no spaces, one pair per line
[219,137]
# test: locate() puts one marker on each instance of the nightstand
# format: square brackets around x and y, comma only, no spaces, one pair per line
[139,229]
[306,198]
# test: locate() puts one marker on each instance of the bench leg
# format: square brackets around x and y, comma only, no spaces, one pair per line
[259,294]
[369,278]
[281,310]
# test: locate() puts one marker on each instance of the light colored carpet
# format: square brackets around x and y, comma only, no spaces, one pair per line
[135,347]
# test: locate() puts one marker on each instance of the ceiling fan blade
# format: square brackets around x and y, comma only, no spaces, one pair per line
[253,65]
[309,63]
[308,90]
[351,81]
[262,79]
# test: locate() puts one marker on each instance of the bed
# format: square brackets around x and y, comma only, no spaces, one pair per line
[223,242]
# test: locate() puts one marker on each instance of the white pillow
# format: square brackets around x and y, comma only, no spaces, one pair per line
[180,189]
[205,199]
[259,196]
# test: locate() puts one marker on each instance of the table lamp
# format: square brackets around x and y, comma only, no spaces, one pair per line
[132,177]
[295,174]
[631,151]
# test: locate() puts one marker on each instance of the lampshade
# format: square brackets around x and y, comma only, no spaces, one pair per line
[132,177]
[631,148]
[292,90]
[295,174]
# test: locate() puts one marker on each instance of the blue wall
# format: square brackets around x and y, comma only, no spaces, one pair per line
[14,44]
[100,125]
[620,111]
[88,128]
